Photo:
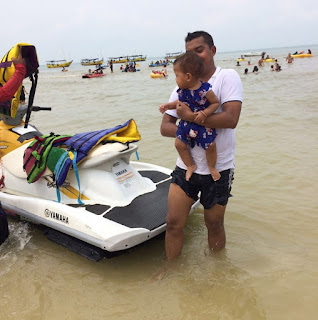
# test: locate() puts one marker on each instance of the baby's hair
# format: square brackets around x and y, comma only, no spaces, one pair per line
[190,62]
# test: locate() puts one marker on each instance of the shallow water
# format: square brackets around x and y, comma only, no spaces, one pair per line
[269,267]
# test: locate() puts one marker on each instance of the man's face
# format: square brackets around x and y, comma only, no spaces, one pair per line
[198,46]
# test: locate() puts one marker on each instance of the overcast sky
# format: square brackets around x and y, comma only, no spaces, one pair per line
[76,29]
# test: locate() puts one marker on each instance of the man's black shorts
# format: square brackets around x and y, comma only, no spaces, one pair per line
[212,192]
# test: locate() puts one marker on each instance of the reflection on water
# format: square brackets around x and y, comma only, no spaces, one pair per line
[268,270]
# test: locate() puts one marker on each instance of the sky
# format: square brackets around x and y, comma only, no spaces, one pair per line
[77,29]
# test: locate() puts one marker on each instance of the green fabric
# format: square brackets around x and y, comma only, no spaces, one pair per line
[54,157]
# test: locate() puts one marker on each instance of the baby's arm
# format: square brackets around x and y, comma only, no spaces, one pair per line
[168,106]
[214,104]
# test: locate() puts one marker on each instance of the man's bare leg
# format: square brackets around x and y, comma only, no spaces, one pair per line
[214,221]
[179,205]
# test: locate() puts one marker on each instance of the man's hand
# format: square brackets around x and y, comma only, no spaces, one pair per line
[184,112]
[19,59]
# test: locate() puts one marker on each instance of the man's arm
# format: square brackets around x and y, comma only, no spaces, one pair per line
[168,126]
[228,118]
[10,88]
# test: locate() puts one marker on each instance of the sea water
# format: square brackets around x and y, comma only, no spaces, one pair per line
[269,267]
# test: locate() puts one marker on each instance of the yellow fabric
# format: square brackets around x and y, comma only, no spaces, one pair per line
[127,134]
[6,74]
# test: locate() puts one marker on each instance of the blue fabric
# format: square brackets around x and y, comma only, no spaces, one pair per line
[82,143]
[191,133]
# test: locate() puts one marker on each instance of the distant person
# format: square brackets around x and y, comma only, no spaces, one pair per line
[261,62]
[249,63]
[89,71]
[309,51]
[295,53]
[289,58]
[272,68]
[263,54]
[238,63]
[246,71]
[277,66]
[164,70]
[255,70]
[199,97]
[99,69]
[267,57]
[111,65]
[22,95]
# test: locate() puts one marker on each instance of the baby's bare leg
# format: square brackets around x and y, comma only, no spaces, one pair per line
[211,156]
[186,157]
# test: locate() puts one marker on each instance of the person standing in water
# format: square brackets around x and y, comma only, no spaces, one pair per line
[214,195]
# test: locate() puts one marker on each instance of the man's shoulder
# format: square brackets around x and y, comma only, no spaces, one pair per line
[227,73]
[228,76]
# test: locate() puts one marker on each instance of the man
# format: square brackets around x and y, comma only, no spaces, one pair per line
[11,87]
[6,93]
[227,86]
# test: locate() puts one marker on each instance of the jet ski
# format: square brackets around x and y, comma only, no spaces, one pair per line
[117,205]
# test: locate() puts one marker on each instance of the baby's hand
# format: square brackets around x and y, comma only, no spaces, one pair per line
[163,108]
[200,117]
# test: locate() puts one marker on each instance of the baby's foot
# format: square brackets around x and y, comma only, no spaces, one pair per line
[215,174]
[189,172]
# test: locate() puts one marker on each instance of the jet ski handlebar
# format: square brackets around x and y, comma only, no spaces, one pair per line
[35,108]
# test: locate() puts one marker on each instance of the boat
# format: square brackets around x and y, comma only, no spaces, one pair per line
[302,55]
[241,59]
[136,58]
[173,55]
[118,204]
[58,63]
[122,59]
[252,54]
[92,62]
[269,60]
[92,75]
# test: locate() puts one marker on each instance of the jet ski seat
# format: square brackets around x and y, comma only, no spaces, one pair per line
[101,154]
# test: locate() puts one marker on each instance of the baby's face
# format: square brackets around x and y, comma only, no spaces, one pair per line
[181,77]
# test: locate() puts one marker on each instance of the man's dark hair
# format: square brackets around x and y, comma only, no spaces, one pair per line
[206,36]
[190,62]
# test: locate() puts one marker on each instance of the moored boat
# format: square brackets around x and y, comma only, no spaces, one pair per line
[122,59]
[58,63]
[173,55]
[252,54]
[92,62]
[138,57]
